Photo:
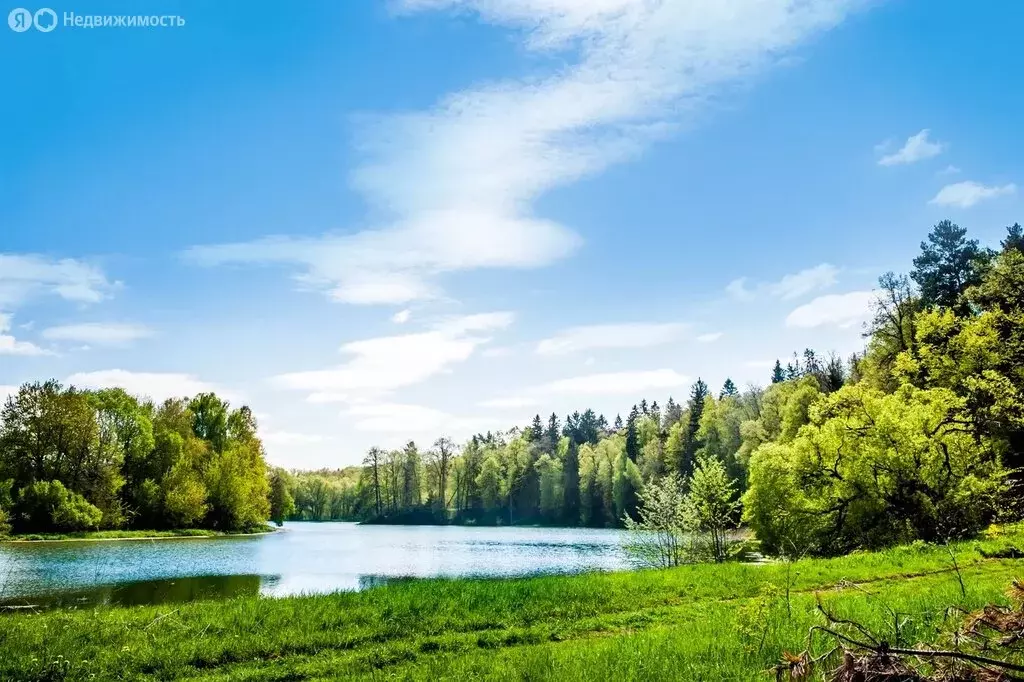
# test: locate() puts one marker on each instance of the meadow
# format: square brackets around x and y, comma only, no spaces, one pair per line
[703,622]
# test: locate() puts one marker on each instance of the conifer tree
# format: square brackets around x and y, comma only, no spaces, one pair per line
[729,390]
[632,437]
[777,375]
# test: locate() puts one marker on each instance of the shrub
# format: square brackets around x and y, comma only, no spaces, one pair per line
[48,505]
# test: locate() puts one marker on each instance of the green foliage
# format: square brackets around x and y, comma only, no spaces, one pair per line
[660,535]
[710,507]
[282,505]
[949,263]
[48,504]
[872,469]
[176,465]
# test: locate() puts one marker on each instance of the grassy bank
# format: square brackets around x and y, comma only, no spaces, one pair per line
[726,622]
[132,534]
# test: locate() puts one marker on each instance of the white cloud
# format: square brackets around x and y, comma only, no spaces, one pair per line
[24,276]
[949,170]
[99,333]
[382,364]
[968,193]
[789,287]
[710,337]
[12,346]
[402,316]
[628,335]
[158,386]
[496,352]
[456,184]
[838,310]
[917,148]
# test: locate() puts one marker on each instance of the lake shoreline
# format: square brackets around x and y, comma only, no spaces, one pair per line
[144,535]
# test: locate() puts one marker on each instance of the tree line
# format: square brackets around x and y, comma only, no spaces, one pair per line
[919,436]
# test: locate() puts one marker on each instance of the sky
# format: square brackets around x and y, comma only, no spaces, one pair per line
[387,220]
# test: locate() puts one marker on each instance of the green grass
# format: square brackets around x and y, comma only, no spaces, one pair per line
[726,622]
[129,534]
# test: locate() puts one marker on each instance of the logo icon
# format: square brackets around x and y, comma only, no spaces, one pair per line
[20,19]
[45,20]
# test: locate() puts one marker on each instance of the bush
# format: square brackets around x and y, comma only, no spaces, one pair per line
[48,505]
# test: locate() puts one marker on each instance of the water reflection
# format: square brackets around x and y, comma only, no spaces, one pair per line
[304,558]
[146,592]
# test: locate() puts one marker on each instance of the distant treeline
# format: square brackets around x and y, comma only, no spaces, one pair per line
[920,436]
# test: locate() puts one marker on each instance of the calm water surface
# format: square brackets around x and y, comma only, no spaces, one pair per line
[303,558]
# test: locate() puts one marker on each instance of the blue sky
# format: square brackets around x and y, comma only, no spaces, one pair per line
[375,221]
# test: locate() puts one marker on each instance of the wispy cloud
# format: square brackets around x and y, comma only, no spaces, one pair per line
[99,333]
[380,365]
[916,148]
[710,337]
[402,316]
[24,276]
[9,345]
[457,183]
[836,310]
[968,193]
[627,335]
[789,287]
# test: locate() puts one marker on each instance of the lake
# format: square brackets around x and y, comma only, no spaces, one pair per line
[301,558]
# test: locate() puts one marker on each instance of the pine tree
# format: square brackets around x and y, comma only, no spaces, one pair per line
[632,438]
[1014,238]
[618,422]
[536,429]
[698,394]
[656,413]
[673,413]
[949,263]
[643,407]
[777,376]
[552,434]
[729,390]
[793,369]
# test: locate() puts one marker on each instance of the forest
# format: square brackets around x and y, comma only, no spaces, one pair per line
[919,436]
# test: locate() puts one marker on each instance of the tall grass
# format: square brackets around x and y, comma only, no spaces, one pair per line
[712,622]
